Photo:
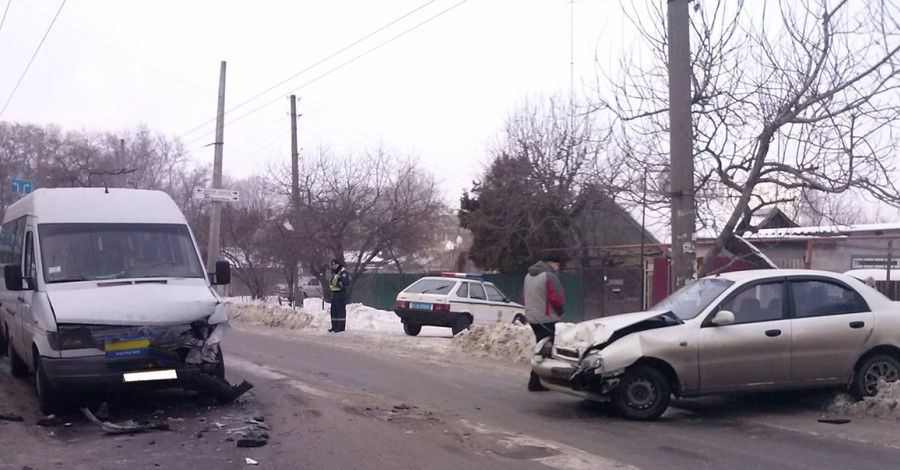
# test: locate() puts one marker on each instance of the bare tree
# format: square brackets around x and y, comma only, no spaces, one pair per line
[359,208]
[246,229]
[530,196]
[799,97]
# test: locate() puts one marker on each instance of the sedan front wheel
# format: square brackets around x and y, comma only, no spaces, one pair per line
[642,394]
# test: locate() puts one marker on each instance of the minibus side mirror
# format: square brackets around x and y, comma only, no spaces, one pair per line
[12,274]
[222,275]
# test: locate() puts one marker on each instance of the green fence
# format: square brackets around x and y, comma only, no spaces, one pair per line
[381,289]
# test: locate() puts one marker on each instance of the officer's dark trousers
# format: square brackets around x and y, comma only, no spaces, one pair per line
[338,311]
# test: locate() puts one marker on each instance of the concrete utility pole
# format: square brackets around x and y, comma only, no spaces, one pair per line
[215,217]
[681,163]
[295,163]
[295,193]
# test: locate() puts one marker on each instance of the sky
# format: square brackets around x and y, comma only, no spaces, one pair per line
[374,329]
[432,79]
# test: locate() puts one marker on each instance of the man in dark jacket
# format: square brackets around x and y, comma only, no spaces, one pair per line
[543,296]
[338,285]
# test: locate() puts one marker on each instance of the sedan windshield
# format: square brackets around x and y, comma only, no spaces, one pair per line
[690,300]
[81,252]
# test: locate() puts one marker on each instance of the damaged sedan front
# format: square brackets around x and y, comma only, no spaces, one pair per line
[635,360]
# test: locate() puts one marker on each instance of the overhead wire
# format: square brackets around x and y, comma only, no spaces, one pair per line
[354,43]
[61,5]
[5,11]
[334,69]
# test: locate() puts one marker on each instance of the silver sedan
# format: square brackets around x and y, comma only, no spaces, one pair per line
[745,331]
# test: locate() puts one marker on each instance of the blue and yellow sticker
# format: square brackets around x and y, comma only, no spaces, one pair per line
[126,347]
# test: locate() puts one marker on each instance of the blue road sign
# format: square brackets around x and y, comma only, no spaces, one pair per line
[18,185]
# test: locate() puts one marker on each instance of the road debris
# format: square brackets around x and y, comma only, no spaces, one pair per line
[834,420]
[49,420]
[123,427]
[250,461]
[220,388]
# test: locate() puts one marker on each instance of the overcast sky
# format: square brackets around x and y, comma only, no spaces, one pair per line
[437,84]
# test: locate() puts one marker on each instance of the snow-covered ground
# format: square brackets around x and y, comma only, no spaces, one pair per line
[509,342]
[504,342]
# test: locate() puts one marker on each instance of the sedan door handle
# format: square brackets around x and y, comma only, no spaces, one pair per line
[773,333]
[857,324]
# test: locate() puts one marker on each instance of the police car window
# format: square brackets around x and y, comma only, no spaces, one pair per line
[431,286]
[463,290]
[494,294]
[476,292]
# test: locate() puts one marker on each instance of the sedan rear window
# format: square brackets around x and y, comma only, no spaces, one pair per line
[431,286]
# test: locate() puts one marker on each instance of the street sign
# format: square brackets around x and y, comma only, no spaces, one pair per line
[18,185]
[214,194]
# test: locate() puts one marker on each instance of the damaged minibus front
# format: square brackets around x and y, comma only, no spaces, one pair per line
[105,288]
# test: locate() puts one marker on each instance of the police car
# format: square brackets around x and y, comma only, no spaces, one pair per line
[455,301]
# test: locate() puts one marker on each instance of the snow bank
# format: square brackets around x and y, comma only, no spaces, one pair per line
[513,342]
[506,342]
[885,403]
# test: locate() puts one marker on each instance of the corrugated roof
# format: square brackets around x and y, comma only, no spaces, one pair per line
[822,231]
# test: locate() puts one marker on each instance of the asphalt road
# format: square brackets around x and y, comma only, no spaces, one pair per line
[373,401]
[361,401]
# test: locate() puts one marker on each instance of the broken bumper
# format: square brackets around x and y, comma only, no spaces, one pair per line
[99,372]
[566,377]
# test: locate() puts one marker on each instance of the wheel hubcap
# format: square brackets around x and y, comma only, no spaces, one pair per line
[879,370]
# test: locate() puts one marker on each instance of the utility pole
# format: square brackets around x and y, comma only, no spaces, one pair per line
[215,208]
[295,194]
[681,163]
[120,162]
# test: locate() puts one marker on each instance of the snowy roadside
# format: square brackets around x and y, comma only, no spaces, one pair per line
[504,342]
[508,342]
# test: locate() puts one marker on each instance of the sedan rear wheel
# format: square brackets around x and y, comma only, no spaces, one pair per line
[642,394]
[412,329]
[870,371]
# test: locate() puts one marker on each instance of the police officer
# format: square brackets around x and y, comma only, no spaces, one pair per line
[340,281]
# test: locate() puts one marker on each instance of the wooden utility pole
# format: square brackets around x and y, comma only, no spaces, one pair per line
[681,166]
[215,208]
[295,195]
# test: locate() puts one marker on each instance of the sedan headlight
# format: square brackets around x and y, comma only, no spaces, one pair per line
[592,360]
[543,347]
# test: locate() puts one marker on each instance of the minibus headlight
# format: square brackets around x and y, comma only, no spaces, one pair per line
[71,337]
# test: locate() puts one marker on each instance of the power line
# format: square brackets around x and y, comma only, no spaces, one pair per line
[367,52]
[61,5]
[3,20]
[315,64]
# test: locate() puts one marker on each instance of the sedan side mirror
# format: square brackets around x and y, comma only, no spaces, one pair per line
[723,317]
[222,275]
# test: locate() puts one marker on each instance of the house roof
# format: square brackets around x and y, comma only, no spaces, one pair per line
[825,231]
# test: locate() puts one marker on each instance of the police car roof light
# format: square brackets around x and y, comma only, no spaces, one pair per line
[464,275]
